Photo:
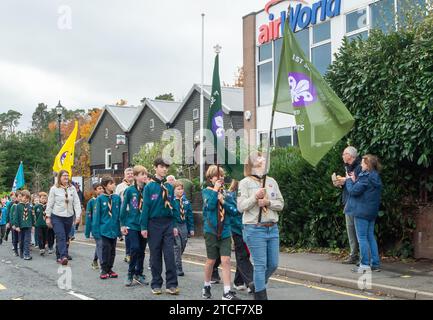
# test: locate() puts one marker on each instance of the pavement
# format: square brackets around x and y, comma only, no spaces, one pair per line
[43,279]
[402,280]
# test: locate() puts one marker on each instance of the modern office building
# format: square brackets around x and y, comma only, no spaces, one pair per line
[320,27]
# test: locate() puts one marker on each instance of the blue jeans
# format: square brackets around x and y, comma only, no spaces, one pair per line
[367,242]
[264,246]
[62,228]
[25,240]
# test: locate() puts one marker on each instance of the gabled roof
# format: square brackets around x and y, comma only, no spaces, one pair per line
[165,110]
[125,117]
[232,98]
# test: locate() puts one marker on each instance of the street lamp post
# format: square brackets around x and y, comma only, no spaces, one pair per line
[59,112]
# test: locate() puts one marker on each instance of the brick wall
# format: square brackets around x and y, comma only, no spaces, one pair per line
[423,236]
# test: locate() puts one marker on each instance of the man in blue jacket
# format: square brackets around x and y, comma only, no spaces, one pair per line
[352,165]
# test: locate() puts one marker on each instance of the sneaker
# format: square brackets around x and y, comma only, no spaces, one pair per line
[50,251]
[69,258]
[28,258]
[206,293]
[173,291]
[16,253]
[95,265]
[64,261]
[42,252]
[113,275]
[21,256]
[128,280]
[127,259]
[104,276]
[72,239]
[376,269]
[231,295]
[157,291]
[241,287]
[181,274]
[141,279]
[351,260]
[361,270]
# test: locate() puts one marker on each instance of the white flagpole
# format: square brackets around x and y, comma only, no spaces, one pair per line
[202,105]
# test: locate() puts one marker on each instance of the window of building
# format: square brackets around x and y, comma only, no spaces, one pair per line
[322,57]
[108,159]
[356,20]
[152,123]
[284,137]
[106,133]
[266,84]
[410,11]
[357,25]
[195,114]
[383,15]
[322,32]
[265,52]
[148,146]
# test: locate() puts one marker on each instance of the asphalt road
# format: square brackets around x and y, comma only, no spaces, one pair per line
[43,279]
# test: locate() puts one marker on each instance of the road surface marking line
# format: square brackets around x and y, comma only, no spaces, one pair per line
[272,278]
[2,287]
[79,296]
[18,299]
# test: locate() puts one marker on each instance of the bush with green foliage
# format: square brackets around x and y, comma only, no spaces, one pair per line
[387,84]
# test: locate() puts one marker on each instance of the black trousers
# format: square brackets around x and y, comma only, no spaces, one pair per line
[161,242]
[244,268]
[42,237]
[108,254]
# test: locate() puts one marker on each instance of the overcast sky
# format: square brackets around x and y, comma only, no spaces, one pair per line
[93,52]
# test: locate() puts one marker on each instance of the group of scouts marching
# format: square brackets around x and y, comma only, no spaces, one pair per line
[20,215]
[149,211]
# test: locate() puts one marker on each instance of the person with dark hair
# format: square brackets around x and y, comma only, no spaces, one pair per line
[106,226]
[25,224]
[63,206]
[158,225]
[90,210]
[364,196]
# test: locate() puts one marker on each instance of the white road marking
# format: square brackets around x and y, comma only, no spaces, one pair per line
[79,296]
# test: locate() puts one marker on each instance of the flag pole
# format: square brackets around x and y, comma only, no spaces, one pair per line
[202,104]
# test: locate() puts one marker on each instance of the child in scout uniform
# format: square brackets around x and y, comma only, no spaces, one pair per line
[158,225]
[90,210]
[41,225]
[216,217]
[14,223]
[25,222]
[185,225]
[106,226]
[3,219]
[130,226]
[8,206]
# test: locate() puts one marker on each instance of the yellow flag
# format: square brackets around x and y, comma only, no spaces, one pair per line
[65,158]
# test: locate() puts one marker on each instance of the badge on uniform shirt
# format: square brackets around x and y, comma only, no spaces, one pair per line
[104,203]
[154,196]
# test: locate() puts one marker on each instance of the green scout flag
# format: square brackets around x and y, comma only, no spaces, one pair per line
[321,117]
[227,159]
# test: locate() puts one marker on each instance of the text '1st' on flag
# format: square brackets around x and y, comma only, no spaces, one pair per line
[65,158]
[321,117]
[228,159]
[19,181]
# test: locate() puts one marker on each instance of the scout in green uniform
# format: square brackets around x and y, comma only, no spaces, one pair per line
[42,230]
[158,225]
[90,210]
[217,214]
[24,224]
[185,224]
[13,223]
[130,222]
[106,226]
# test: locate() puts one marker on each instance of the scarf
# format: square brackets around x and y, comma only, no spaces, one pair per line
[164,190]
[264,209]
[110,205]
[182,210]
[140,196]
[221,213]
